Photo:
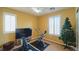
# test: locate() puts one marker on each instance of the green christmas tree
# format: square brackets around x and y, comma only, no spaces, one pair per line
[67,33]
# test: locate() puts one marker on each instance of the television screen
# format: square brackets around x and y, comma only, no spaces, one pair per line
[23,32]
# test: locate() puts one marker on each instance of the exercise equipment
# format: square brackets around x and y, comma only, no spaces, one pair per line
[40,42]
[40,39]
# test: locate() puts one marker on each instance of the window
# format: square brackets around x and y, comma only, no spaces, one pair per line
[54,25]
[9,22]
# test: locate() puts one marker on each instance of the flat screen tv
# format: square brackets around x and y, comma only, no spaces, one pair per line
[23,32]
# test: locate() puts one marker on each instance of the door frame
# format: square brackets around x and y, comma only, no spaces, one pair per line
[77,28]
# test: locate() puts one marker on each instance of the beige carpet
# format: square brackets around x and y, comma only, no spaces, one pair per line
[55,47]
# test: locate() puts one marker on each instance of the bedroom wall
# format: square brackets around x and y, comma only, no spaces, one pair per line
[1,34]
[43,22]
[24,20]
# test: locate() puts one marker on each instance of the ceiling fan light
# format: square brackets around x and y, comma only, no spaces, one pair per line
[36,10]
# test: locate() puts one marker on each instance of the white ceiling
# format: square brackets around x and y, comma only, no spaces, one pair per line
[45,10]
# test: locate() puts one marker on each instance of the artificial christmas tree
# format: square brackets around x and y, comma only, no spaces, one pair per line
[67,34]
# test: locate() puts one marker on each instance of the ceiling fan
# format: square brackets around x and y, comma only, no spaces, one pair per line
[42,9]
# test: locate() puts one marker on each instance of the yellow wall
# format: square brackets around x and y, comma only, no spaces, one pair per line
[43,22]
[24,20]
[1,34]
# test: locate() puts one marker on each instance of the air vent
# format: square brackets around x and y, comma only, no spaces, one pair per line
[52,8]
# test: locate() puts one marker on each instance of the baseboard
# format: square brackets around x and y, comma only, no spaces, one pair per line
[55,42]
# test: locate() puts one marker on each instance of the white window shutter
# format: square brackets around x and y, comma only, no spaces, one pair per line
[54,25]
[9,23]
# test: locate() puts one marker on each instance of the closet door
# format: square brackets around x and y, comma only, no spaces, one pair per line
[77,28]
